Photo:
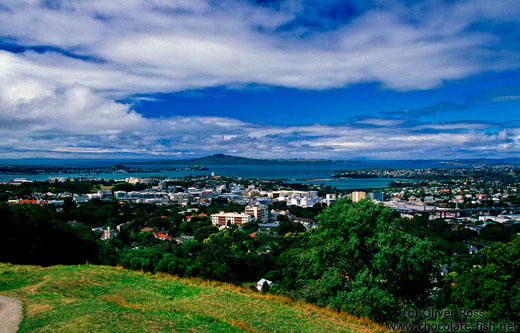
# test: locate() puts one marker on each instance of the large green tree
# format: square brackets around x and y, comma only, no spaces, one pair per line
[493,285]
[358,260]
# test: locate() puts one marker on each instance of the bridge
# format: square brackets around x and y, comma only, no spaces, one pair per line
[456,212]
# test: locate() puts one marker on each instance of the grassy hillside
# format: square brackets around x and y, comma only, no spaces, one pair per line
[97,298]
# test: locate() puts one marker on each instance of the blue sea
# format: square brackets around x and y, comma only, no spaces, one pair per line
[307,173]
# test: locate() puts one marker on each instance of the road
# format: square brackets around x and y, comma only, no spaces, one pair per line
[10,314]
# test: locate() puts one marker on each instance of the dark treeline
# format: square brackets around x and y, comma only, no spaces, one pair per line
[35,235]
[361,259]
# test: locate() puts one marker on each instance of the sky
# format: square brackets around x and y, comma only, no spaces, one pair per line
[158,79]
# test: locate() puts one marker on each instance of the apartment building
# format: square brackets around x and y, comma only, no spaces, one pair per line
[259,212]
[223,218]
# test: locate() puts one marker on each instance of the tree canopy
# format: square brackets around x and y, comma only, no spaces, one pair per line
[358,260]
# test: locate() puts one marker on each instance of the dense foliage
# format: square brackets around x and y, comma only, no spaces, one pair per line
[361,259]
[360,262]
[491,284]
[34,235]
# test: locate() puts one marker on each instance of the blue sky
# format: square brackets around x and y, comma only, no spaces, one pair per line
[462,100]
[162,79]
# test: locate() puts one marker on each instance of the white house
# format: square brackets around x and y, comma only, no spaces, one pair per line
[260,284]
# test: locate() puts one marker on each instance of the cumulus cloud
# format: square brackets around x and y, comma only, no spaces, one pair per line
[151,46]
[58,93]
[29,105]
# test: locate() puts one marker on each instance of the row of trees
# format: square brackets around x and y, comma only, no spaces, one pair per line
[35,235]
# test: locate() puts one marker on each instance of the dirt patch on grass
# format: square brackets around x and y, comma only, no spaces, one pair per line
[116,299]
[33,288]
[68,300]
[34,309]
[240,325]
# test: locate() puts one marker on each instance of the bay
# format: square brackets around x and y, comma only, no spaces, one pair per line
[306,173]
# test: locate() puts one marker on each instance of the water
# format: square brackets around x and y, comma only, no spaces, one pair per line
[306,173]
[350,183]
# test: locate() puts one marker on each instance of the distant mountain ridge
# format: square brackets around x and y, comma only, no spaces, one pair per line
[222,159]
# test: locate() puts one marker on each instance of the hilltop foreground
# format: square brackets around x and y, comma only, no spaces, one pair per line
[99,298]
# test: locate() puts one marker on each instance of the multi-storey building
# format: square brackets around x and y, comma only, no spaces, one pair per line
[377,196]
[358,196]
[225,219]
[330,198]
[259,212]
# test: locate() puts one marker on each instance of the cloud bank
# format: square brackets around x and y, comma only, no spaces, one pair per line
[65,64]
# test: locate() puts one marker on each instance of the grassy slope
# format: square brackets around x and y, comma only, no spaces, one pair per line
[97,298]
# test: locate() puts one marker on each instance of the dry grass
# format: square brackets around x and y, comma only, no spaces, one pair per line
[117,299]
[309,310]
[34,308]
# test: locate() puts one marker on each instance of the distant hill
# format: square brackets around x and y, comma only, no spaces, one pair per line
[222,159]
[109,299]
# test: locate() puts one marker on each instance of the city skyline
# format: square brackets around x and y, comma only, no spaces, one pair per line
[262,79]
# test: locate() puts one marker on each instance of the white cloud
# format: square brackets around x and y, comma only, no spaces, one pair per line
[74,122]
[55,104]
[455,126]
[158,46]
[33,107]
[506,98]
[380,121]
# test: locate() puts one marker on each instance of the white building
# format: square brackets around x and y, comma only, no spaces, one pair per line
[132,180]
[330,198]
[429,200]
[224,219]
[91,196]
[146,180]
[260,284]
[135,180]
[105,193]
[108,233]
[120,195]
[296,198]
[163,185]
[80,198]
[259,212]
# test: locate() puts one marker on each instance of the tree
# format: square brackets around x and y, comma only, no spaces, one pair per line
[142,259]
[265,287]
[493,285]
[170,264]
[33,235]
[495,232]
[250,227]
[359,261]
[286,227]
[146,239]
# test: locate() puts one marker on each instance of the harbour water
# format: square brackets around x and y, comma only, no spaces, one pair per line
[307,173]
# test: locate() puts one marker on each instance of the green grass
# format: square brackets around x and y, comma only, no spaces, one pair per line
[99,298]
